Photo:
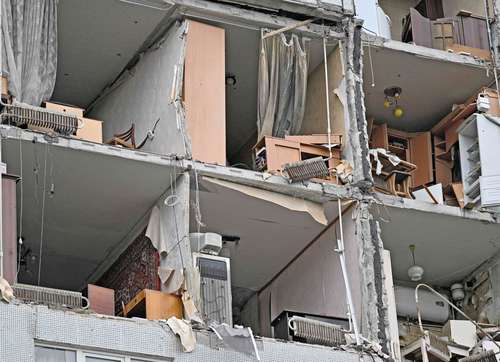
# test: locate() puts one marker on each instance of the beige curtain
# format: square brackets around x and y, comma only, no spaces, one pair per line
[283,68]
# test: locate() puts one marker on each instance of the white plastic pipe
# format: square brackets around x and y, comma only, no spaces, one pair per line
[327,92]
[340,250]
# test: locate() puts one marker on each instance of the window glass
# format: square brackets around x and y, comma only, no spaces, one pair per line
[101,359]
[45,354]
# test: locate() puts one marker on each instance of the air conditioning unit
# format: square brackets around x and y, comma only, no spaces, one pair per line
[215,287]
[206,243]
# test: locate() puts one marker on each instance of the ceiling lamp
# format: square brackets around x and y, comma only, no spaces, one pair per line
[415,272]
[392,95]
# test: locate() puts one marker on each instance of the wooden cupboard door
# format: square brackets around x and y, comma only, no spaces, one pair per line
[379,137]
[421,156]
[205,92]
[280,152]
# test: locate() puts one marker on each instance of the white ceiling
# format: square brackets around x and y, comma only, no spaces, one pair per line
[430,87]
[97,200]
[447,247]
[271,235]
[97,38]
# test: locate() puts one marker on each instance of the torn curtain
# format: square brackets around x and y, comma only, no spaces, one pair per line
[283,68]
[29,48]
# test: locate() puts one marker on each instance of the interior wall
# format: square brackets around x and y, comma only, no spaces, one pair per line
[315,120]
[313,284]
[145,94]
[397,10]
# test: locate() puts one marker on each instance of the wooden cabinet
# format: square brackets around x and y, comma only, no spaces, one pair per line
[415,148]
[154,305]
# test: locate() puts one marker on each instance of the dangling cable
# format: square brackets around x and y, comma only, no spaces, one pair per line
[21,201]
[43,214]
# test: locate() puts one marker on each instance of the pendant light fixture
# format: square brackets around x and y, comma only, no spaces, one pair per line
[415,272]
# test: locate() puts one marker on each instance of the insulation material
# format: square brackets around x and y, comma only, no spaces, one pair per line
[168,230]
[283,68]
[184,331]
[29,48]
[148,92]
[314,209]
[6,291]
[237,339]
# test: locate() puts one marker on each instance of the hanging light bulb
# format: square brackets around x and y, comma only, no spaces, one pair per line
[398,112]
[415,272]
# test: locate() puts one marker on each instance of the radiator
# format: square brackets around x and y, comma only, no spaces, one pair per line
[317,332]
[25,115]
[49,296]
[306,169]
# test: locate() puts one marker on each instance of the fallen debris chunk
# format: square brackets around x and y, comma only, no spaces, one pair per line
[238,339]
[184,331]
[6,290]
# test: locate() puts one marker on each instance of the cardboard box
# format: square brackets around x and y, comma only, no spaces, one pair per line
[91,130]
[64,108]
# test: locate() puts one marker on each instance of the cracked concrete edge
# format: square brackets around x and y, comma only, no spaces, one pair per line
[369,294]
[357,128]
[423,52]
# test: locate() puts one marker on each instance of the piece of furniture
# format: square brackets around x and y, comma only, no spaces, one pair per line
[101,300]
[90,130]
[154,305]
[316,139]
[4,87]
[414,148]
[205,92]
[442,33]
[64,108]
[393,179]
[272,153]
[479,149]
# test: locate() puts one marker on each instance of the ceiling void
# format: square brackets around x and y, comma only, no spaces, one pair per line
[449,248]
[97,38]
[430,87]
[92,201]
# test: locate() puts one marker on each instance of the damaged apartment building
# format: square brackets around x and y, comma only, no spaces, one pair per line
[241,180]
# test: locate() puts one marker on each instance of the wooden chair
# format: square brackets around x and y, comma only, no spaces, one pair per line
[126,139]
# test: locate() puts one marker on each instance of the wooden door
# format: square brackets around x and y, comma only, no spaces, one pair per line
[421,29]
[421,156]
[379,136]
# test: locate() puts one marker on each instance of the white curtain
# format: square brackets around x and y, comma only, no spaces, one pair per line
[283,68]
[29,48]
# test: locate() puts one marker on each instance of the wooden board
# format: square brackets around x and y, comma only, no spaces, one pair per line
[421,156]
[102,300]
[91,130]
[4,86]
[379,138]
[64,108]
[9,227]
[475,52]
[154,305]
[280,151]
[204,92]
[316,139]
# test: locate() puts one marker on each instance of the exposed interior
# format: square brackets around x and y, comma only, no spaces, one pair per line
[89,73]
[436,97]
[441,245]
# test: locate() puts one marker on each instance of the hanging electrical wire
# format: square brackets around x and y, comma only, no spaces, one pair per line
[21,206]
[42,219]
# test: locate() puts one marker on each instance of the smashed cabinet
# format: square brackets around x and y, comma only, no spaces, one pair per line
[479,149]
[415,148]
